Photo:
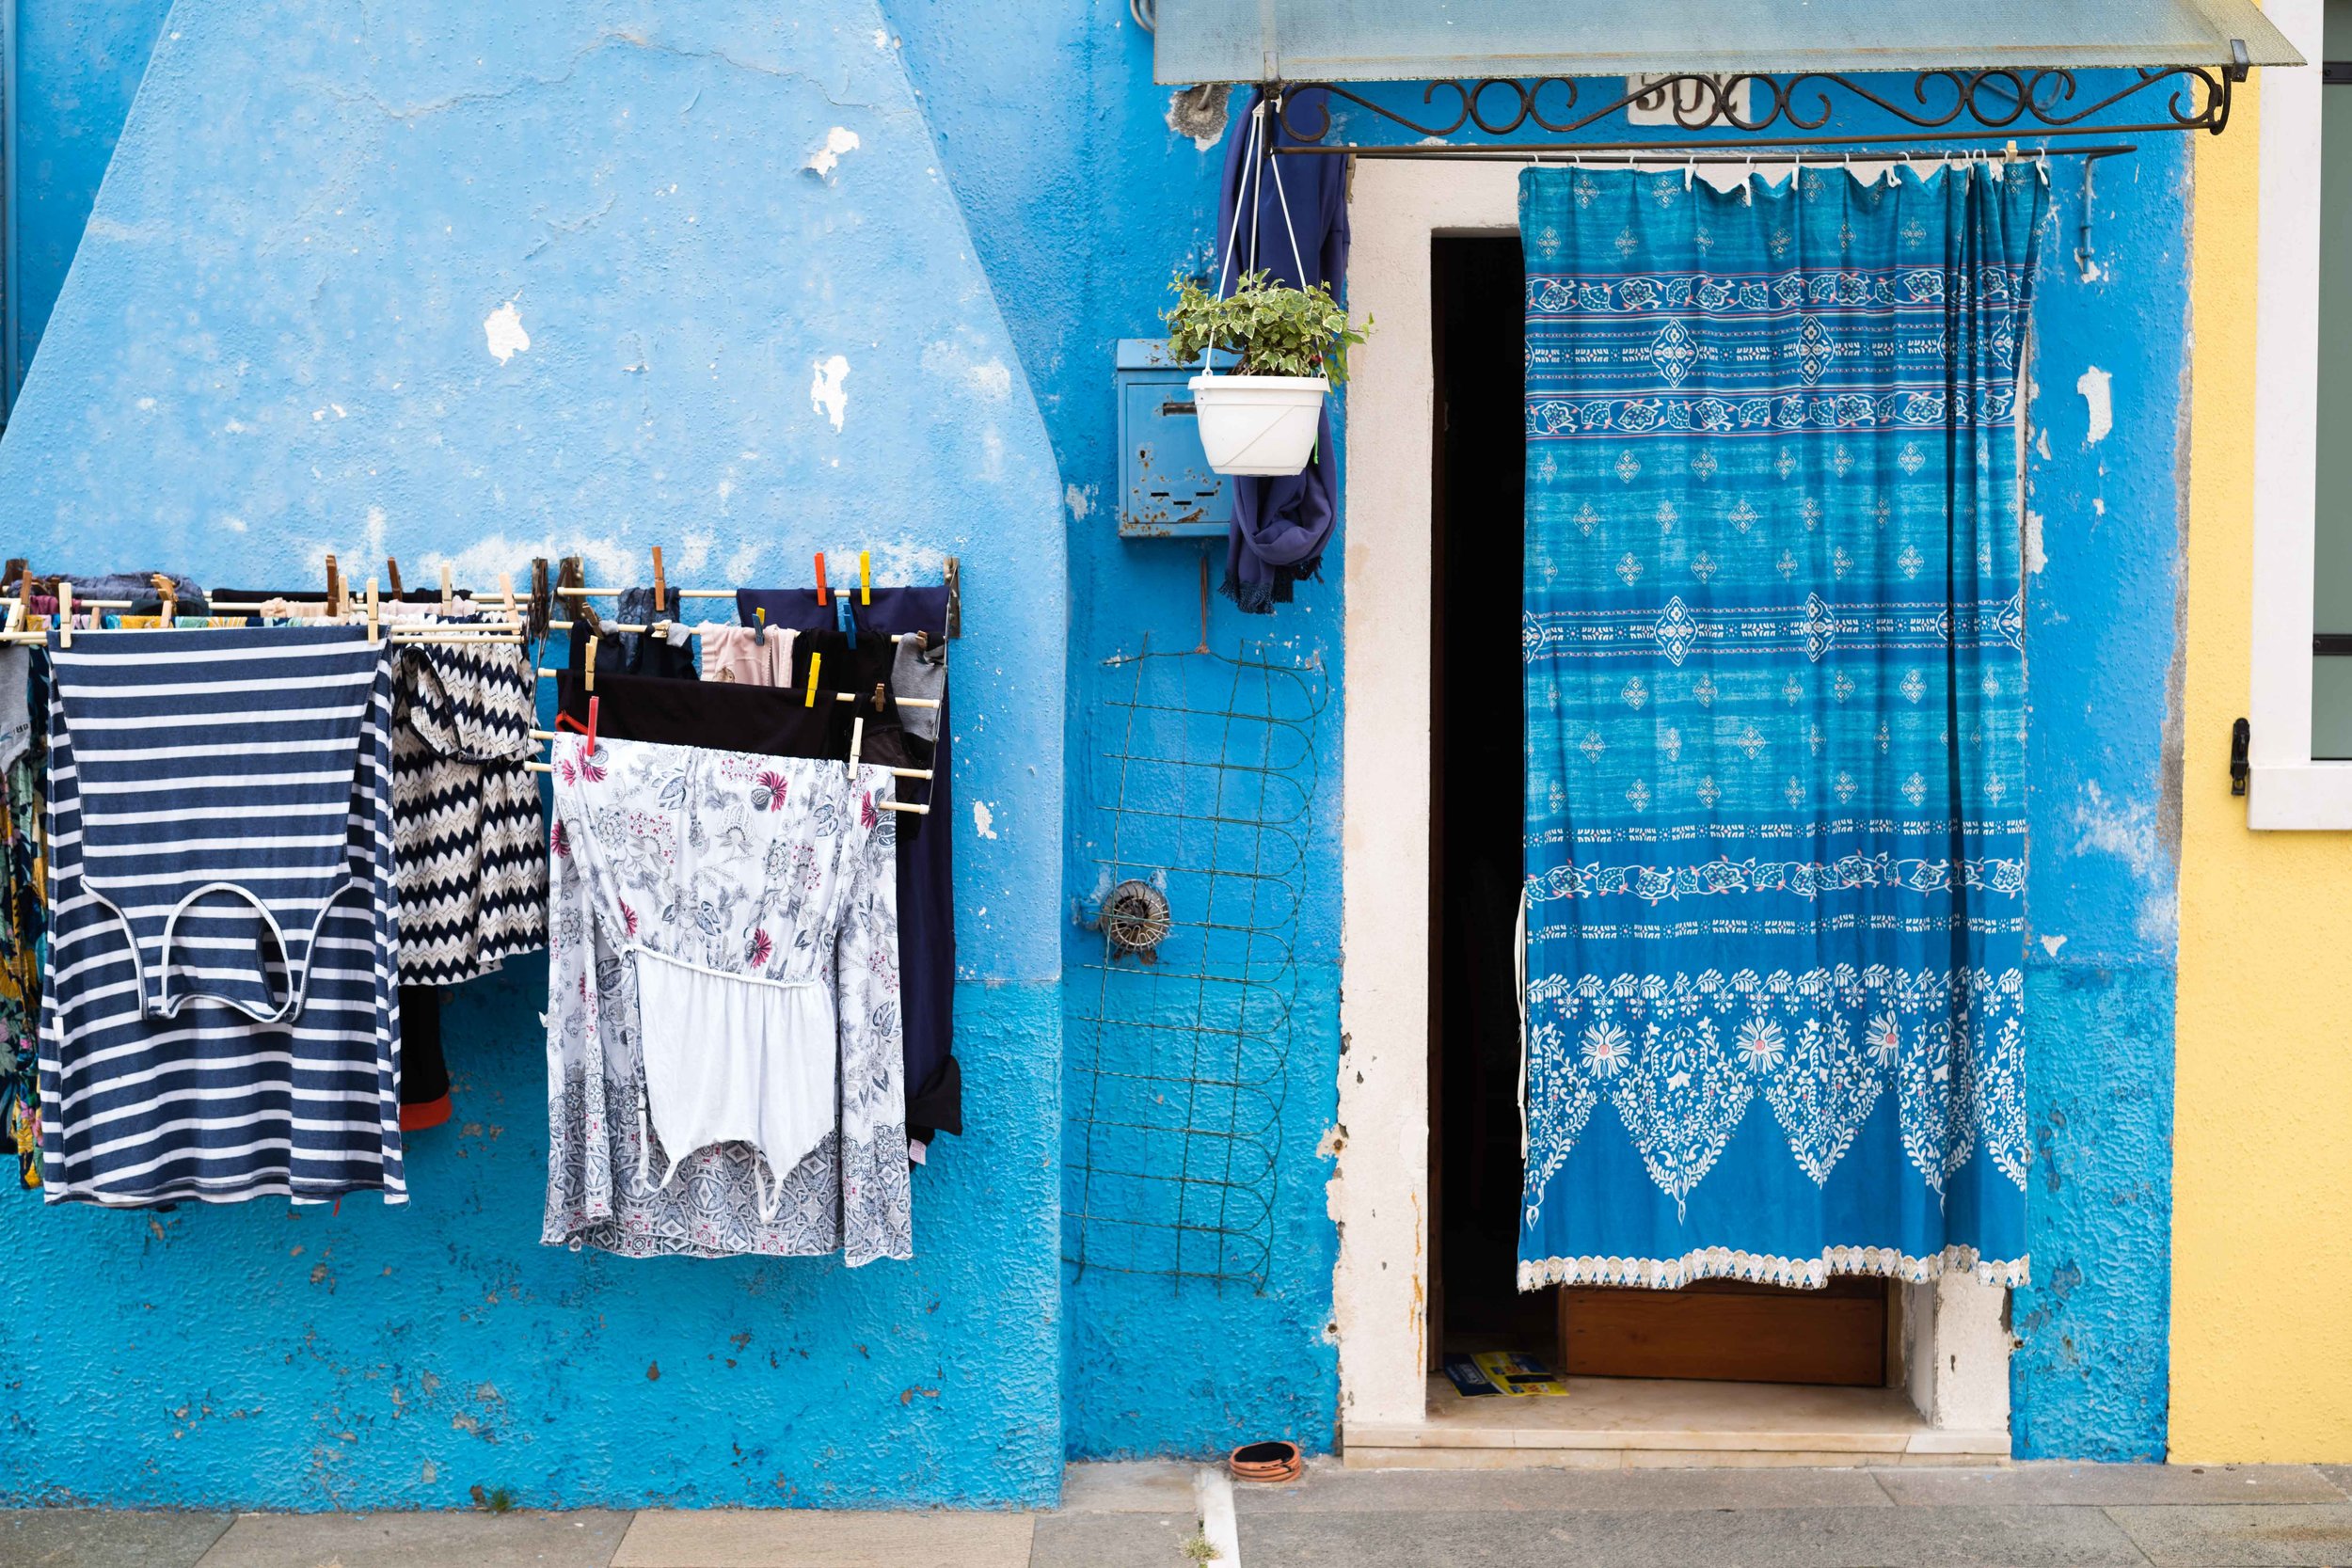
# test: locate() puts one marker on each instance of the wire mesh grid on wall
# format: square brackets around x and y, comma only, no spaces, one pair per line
[1204,769]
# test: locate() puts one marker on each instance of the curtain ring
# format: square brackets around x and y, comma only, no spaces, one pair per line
[1690,168]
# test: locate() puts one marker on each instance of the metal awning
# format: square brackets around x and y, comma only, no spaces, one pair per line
[1405,41]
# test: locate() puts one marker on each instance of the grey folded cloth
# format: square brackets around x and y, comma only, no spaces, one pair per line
[919,672]
[16,718]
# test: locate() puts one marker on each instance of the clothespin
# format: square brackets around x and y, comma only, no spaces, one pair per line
[820,577]
[24,589]
[842,618]
[660,588]
[815,660]
[2010,156]
[65,615]
[590,685]
[922,641]
[375,628]
[593,704]
[506,593]
[955,598]
[759,625]
[445,593]
[866,577]
[334,588]
[169,592]
[857,742]
[539,595]
[391,570]
[879,695]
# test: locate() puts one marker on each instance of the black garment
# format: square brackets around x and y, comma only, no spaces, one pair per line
[776,722]
[927,893]
[631,652]
[424,1072]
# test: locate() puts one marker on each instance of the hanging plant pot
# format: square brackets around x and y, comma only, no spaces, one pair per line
[1259,424]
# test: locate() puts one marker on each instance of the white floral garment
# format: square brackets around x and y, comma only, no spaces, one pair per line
[779,869]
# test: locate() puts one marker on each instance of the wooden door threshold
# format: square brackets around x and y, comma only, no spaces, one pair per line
[1625,1423]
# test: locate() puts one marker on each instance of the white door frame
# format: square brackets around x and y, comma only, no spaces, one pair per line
[1956,1351]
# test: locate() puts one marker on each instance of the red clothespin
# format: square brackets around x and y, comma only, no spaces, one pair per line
[820,577]
[593,704]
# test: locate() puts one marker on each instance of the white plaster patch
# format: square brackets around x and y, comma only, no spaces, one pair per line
[2036,557]
[826,393]
[746,561]
[233,525]
[2128,833]
[2052,944]
[503,330]
[1078,500]
[992,380]
[2097,389]
[693,551]
[838,141]
[984,819]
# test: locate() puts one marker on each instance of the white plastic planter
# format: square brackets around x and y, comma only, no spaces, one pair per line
[1259,424]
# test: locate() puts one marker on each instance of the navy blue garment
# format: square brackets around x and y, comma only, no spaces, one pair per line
[1281,525]
[927,893]
[221,1021]
[637,653]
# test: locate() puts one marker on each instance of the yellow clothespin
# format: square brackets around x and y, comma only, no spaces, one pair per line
[815,659]
[590,684]
[375,628]
[446,594]
[65,615]
[866,577]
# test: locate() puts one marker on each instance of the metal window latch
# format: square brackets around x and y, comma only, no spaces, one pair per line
[2241,734]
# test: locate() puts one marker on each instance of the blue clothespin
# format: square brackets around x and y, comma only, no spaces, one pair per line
[848,620]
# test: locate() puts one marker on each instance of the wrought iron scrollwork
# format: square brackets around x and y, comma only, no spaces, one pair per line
[2047,101]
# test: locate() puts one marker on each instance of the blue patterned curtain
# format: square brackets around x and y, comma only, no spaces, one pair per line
[1775,726]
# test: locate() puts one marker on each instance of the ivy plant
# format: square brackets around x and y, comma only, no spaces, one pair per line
[1275,329]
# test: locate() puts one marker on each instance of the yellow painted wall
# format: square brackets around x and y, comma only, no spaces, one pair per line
[2262,1266]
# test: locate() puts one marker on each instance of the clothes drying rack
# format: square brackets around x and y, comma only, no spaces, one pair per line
[504,619]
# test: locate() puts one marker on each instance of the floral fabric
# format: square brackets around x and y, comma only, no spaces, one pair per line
[772,868]
[1775,723]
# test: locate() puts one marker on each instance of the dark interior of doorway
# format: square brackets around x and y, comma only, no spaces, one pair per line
[1717,1330]
[1475,798]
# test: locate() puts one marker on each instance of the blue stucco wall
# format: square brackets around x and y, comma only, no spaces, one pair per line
[77,66]
[2106,523]
[1083,201]
[273,343]
[1078,200]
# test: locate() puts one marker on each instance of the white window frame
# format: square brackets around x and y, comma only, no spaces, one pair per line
[2287,789]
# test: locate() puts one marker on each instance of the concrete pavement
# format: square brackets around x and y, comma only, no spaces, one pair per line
[1141,1515]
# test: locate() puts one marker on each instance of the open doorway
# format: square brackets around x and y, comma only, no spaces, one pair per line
[1719,1330]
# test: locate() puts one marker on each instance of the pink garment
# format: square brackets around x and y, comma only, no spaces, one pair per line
[749,656]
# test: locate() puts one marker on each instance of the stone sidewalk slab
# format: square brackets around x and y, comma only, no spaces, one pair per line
[2039,1537]
[1329,1488]
[1133,1486]
[2288,1536]
[2101,1484]
[98,1538]
[1113,1541]
[585,1539]
[811,1538]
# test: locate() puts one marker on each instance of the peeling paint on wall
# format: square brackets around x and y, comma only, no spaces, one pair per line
[503,328]
[2097,387]
[826,393]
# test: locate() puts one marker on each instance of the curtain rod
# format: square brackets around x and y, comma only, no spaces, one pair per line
[1768,154]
